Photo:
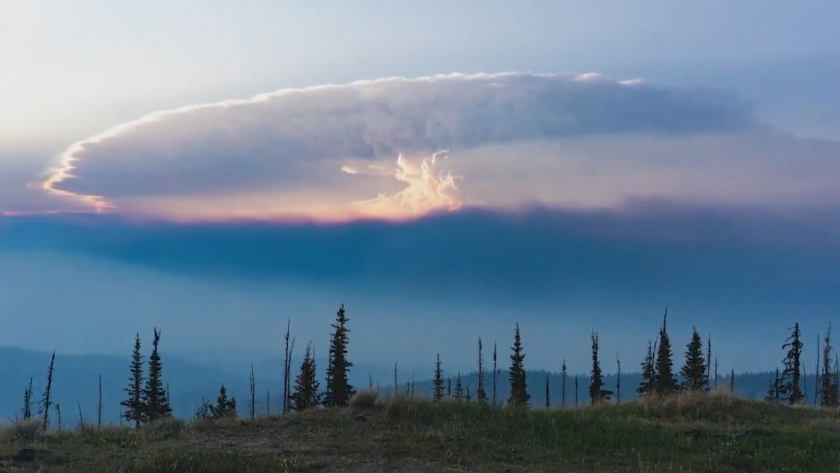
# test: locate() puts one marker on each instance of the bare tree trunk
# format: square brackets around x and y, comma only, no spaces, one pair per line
[58,411]
[396,384]
[253,386]
[99,406]
[268,403]
[81,419]
[286,367]
[563,394]
[618,382]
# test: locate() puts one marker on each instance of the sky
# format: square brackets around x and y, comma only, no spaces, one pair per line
[444,169]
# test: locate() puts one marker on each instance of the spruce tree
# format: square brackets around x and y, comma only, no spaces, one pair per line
[576,391]
[774,390]
[791,390]
[597,393]
[459,389]
[133,404]
[547,393]
[666,383]
[563,387]
[437,382]
[306,394]
[518,387]
[495,372]
[224,407]
[46,398]
[338,389]
[480,393]
[648,384]
[618,381]
[27,401]
[694,370]
[732,381]
[828,380]
[709,364]
[155,404]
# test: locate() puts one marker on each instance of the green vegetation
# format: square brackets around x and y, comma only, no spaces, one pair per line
[694,432]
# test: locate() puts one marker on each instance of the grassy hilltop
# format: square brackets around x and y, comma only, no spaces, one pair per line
[684,433]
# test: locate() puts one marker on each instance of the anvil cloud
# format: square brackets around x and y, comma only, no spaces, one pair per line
[397,148]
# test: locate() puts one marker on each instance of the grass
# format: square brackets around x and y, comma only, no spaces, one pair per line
[688,433]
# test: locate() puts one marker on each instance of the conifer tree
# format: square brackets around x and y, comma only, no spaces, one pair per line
[306,394]
[648,384]
[338,389]
[732,381]
[791,391]
[459,390]
[576,391]
[547,393]
[666,383]
[448,387]
[618,381]
[468,396]
[155,404]
[46,397]
[709,364]
[828,381]
[495,372]
[99,406]
[287,365]
[480,393]
[133,404]
[27,401]
[437,382]
[518,387]
[224,407]
[563,393]
[597,393]
[694,370]
[774,390]
[252,402]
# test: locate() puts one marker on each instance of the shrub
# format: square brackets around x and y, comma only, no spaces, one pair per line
[165,428]
[24,430]
[364,399]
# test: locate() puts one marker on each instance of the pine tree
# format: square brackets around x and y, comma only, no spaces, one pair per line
[338,389]
[495,372]
[732,381]
[306,394]
[155,404]
[563,393]
[459,389]
[709,364]
[437,383]
[576,391]
[547,393]
[694,370]
[27,401]
[618,381]
[133,404]
[828,381]
[774,390]
[648,384]
[480,393]
[224,407]
[597,393]
[518,387]
[448,387]
[666,383]
[46,398]
[791,391]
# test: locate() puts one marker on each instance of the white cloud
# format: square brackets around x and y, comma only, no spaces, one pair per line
[369,149]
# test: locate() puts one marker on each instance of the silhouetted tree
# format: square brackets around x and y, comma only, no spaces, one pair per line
[648,384]
[99,406]
[437,383]
[252,402]
[480,393]
[459,389]
[709,364]
[694,370]
[338,389]
[774,390]
[449,387]
[46,398]
[618,381]
[224,407]
[287,365]
[518,387]
[27,401]
[306,394]
[155,404]
[666,383]
[791,391]
[576,391]
[133,404]
[828,381]
[732,381]
[547,393]
[495,372]
[597,393]
[563,393]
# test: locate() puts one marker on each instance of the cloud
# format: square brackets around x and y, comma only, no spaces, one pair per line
[373,148]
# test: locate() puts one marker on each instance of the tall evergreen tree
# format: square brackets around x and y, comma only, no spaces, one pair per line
[666,383]
[618,381]
[287,366]
[480,392]
[648,384]
[495,372]
[576,391]
[828,379]
[46,398]
[597,393]
[791,390]
[547,392]
[459,389]
[694,370]
[133,404]
[338,389]
[518,387]
[563,393]
[732,381]
[306,394]
[437,382]
[224,407]
[252,388]
[709,364]
[774,390]
[155,404]
[27,401]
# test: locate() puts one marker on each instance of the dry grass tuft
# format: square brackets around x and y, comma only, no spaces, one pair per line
[166,428]
[22,431]
[364,399]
